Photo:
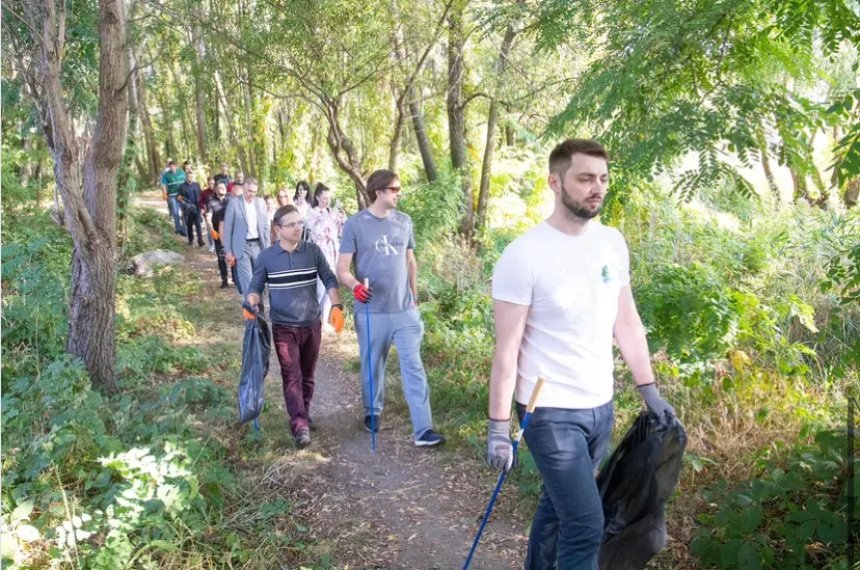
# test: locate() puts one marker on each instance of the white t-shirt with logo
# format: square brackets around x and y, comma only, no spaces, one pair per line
[571,284]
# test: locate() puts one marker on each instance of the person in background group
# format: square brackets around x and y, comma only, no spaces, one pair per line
[215,210]
[561,293]
[300,198]
[239,179]
[270,208]
[224,175]
[190,196]
[282,198]
[290,268]
[325,224]
[207,194]
[382,242]
[171,180]
[235,194]
[246,232]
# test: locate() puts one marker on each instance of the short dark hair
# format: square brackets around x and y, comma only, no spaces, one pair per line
[283,211]
[559,158]
[171,163]
[379,180]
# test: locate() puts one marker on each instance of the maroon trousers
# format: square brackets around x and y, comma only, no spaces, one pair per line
[298,349]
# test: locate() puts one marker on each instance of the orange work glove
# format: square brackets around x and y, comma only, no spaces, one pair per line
[214,234]
[249,311]
[335,317]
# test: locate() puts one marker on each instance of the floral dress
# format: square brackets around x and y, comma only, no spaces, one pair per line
[325,228]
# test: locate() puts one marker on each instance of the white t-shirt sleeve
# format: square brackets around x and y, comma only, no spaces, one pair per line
[513,279]
[620,246]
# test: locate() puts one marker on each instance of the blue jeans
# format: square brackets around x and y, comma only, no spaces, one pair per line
[176,213]
[406,330]
[245,264]
[567,446]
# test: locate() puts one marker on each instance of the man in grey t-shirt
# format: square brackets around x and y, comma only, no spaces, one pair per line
[381,241]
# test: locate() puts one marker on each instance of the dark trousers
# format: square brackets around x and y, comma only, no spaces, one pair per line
[298,349]
[193,218]
[222,262]
[567,446]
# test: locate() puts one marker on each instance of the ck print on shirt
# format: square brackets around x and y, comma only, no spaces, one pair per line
[386,247]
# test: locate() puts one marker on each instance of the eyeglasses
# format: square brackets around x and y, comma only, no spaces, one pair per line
[292,225]
[394,189]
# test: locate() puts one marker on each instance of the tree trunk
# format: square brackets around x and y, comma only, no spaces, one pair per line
[200,93]
[90,209]
[229,116]
[424,147]
[457,117]
[344,153]
[761,142]
[27,167]
[492,118]
[394,146]
[247,108]
[152,158]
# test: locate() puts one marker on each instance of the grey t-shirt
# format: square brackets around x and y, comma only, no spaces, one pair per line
[379,246]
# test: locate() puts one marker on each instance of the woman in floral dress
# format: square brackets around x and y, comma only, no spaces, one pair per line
[325,225]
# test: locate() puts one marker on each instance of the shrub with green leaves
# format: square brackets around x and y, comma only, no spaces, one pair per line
[793,515]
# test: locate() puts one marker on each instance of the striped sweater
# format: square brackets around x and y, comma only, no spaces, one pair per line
[292,281]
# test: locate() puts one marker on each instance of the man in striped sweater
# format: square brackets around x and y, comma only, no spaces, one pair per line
[290,268]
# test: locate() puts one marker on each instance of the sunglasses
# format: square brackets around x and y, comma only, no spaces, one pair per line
[394,189]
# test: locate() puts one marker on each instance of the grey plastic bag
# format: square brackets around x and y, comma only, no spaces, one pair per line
[255,365]
[634,485]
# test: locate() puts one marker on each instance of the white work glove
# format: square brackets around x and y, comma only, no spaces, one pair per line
[655,403]
[500,447]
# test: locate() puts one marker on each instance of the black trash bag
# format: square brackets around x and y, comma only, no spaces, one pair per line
[634,485]
[255,365]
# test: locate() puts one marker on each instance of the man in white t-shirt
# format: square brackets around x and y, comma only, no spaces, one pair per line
[561,293]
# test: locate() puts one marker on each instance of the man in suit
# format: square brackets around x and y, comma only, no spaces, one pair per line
[246,232]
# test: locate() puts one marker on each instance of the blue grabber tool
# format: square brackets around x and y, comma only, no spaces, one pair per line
[516,444]
[370,373]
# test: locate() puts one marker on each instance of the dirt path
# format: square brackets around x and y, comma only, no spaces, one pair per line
[402,507]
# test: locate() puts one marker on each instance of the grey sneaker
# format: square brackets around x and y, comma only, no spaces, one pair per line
[429,438]
[303,438]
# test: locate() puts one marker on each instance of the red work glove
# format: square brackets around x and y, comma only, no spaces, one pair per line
[214,234]
[361,293]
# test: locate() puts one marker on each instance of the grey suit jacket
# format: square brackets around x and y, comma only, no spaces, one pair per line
[236,226]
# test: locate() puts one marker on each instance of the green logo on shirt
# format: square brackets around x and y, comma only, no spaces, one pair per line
[604,274]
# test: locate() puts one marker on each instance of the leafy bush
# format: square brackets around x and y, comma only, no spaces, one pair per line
[139,479]
[689,312]
[792,516]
